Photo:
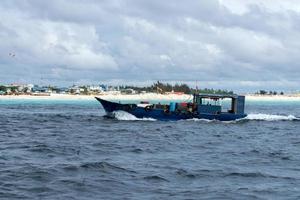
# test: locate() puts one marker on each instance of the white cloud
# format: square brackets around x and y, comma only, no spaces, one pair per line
[218,42]
[44,43]
[241,7]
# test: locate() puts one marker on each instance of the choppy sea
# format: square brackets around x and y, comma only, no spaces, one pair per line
[67,150]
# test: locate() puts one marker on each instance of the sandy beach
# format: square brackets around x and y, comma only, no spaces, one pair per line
[272,97]
[142,97]
[113,97]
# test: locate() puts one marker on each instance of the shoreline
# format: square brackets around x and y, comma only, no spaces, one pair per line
[142,97]
[272,97]
[112,97]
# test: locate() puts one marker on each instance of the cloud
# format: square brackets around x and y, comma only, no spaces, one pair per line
[241,45]
[45,44]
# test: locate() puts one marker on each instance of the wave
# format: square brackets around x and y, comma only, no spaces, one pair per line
[125,116]
[155,178]
[104,166]
[257,175]
[268,117]
[200,120]
[254,117]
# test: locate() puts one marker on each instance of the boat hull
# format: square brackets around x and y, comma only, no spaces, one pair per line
[160,114]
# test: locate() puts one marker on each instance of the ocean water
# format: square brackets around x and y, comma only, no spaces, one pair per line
[67,150]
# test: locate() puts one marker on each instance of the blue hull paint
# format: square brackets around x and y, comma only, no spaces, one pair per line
[160,114]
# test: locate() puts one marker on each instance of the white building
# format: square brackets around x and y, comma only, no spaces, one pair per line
[95,88]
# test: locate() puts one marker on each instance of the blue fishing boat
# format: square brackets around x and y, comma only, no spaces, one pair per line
[203,106]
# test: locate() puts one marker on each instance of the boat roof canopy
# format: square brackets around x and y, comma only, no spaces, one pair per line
[217,96]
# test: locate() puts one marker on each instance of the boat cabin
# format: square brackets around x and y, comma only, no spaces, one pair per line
[211,103]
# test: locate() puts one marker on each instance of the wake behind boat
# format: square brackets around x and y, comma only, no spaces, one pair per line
[203,106]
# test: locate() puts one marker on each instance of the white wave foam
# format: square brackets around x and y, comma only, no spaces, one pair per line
[267,117]
[199,120]
[125,116]
[258,117]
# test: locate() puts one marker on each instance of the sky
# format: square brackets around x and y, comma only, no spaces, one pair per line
[240,45]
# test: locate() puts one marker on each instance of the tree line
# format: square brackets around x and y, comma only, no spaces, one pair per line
[264,92]
[160,87]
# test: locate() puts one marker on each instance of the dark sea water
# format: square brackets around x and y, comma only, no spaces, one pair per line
[67,150]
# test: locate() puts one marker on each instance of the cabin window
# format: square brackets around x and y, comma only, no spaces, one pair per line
[226,105]
[209,101]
